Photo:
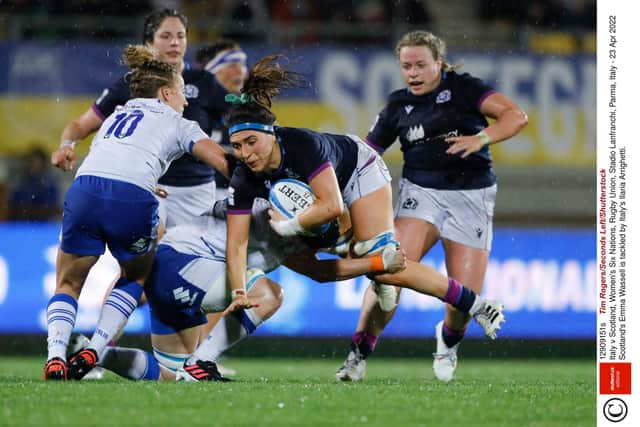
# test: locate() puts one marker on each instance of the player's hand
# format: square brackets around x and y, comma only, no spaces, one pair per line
[464,144]
[394,259]
[286,227]
[239,303]
[161,192]
[64,158]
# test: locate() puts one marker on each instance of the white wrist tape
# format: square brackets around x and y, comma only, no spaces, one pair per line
[484,137]
[288,227]
[68,143]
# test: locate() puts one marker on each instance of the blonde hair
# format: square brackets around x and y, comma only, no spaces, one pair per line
[148,74]
[435,44]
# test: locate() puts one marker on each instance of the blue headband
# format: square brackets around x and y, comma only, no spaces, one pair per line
[225,58]
[249,125]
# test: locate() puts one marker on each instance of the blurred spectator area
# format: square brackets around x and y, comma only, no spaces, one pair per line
[480,26]
[556,26]
[29,187]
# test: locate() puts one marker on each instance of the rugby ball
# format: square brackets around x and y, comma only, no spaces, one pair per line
[290,197]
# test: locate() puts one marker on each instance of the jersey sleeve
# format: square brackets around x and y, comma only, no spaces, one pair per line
[475,90]
[383,131]
[242,191]
[117,94]
[313,154]
[189,132]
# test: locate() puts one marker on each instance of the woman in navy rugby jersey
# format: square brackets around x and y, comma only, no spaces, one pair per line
[189,183]
[341,170]
[448,185]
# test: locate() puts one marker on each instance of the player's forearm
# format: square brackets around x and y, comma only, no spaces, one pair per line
[236,266]
[320,212]
[508,124]
[213,154]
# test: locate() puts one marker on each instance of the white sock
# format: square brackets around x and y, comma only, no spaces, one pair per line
[61,316]
[130,363]
[121,302]
[229,330]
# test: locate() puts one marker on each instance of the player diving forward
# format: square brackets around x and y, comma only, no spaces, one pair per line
[188,279]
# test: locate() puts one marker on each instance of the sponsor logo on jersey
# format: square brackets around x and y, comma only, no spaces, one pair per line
[191,91]
[415,133]
[140,245]
[443,96]
[479,232]
[408,109]
[181,294]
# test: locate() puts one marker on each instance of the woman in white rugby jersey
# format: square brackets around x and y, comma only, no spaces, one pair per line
[111,201]
[188,280]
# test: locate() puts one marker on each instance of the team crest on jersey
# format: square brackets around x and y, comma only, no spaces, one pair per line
[408,109]
[415,133]
[191,91]
[410,203]
[443,96]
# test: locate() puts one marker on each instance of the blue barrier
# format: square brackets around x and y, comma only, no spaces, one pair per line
[546,279]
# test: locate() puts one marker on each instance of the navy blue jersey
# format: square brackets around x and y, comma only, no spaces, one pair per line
[206,106]
[305,153]
[422,122]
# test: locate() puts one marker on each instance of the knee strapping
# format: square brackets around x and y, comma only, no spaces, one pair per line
[373,245]
[170,361]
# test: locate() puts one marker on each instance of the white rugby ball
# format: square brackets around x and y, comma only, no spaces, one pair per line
[290,197]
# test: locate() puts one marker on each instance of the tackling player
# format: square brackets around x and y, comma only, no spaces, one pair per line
[111,201]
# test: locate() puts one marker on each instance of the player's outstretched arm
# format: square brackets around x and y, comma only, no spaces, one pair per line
[214,155]
[76,130]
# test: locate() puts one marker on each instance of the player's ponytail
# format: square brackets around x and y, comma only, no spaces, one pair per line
[264,81]
[148,74]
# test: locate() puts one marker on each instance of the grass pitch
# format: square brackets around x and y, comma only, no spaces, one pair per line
[283,392]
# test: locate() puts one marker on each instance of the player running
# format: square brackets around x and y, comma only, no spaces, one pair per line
[448,185]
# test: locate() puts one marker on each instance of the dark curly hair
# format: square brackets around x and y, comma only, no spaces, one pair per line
[154,20]
[264,81]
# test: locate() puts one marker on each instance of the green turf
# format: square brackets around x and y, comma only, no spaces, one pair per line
[303,392]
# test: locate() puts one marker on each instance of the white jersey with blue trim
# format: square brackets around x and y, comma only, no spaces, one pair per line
[206,237]
[137,143]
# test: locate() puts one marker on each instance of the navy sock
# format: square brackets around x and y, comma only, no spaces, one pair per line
[458,296]
[450,336]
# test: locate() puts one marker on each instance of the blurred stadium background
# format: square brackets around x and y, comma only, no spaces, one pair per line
[56,57]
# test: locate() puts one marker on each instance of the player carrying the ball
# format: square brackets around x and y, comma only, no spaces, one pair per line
[341,171]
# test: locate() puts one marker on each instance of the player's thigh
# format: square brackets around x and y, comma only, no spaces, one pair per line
[372,214]
[416,236]
[368,194]
[466,264]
